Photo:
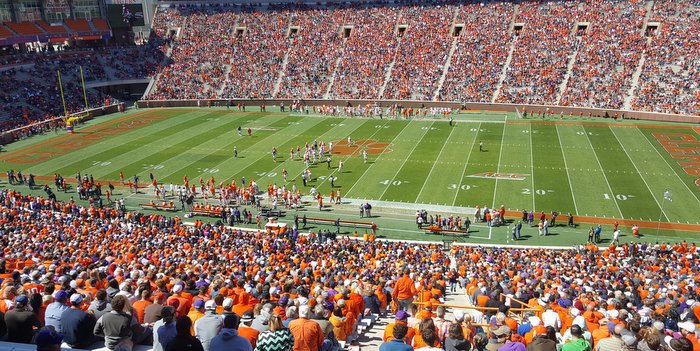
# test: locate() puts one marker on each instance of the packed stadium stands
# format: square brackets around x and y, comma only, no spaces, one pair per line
[58,254]
[631,54]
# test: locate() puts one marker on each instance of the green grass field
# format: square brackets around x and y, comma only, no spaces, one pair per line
[591,168]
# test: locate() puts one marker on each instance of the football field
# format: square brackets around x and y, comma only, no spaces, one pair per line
[602,168]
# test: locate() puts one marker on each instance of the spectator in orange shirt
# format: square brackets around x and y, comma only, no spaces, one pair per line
[245,330]
[308,335]
[141,305]
[404,290]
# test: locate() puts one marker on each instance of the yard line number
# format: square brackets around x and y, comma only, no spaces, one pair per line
[462,187]
[528,191]
[620,197]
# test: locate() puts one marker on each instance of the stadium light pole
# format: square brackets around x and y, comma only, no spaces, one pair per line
[667,196]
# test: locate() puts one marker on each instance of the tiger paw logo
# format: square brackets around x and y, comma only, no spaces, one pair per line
[371,146]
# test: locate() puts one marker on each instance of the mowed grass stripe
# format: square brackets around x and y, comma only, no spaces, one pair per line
[354,167]
[480,192]
[442,183]
[414,173]
[641,175]
[382,171]
[221,163]
[674,163]
[366,132]
[178,139]
[515,160]
[587,179]
[622,176]
[311,128]
[104,150]
[473,132]
[685,207]
[203,138]
[552,190]
[339,130]
[372,178]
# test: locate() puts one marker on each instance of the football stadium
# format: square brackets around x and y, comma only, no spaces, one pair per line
[350,175]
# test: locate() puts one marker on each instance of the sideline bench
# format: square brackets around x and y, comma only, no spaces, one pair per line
[205,212]
[170,208]
[343,223]
[439,230]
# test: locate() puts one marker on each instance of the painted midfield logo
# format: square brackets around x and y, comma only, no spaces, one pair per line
[371,146]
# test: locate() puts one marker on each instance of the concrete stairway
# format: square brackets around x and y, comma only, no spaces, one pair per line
[504,72]
[509,58]
[631,93]
[336,64]
[445,69]
[387,74]
[567,76]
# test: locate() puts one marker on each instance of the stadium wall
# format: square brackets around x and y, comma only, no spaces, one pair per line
[11,135]
[639,115]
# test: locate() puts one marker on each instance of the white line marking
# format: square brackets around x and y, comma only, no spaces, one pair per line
[405,127]
[532,169]
[600,166]
[640,175]
[566,167]
[669,166]
[435,161]
[406,159]
[347,157]
[498,168]
[464,170]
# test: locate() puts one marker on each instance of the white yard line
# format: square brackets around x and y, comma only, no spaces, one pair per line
[436,159]
[532,169]
[498,168]
[566,167]
[377,159]
[639,173]
[600,167]
[669,166]
[406,159]
[464,170]
[347,157]
[325,135]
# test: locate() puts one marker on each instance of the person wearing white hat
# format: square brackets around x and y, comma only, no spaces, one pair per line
[209,326]
[78,325]
[687,329]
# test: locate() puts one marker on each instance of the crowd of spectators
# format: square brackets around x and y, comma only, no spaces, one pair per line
[258,53]
[197,67]
[313,52]
[422,53]
[608,54]
[233,51]
[670,79]
[482,49]
[97,254]
[367,54]
[542,52]
[80,269]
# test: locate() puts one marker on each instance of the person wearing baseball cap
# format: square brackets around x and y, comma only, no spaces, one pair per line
[401,318]
[209,326]
[78,325]
[54,310]
[197,312]
[21,321]
[48,339]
